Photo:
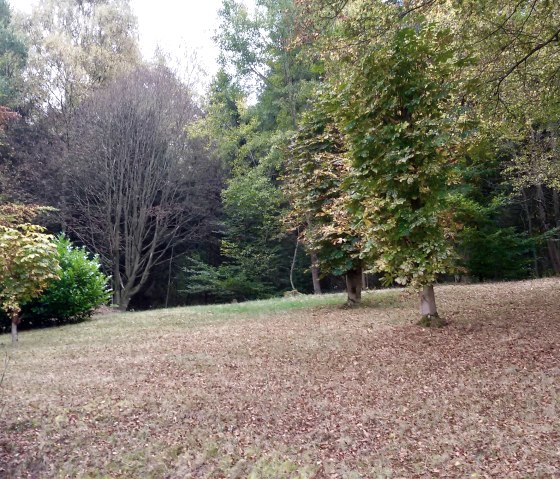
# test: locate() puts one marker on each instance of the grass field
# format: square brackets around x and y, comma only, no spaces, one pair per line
[293,388]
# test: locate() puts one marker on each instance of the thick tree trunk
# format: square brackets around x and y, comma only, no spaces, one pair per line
[15,321]
[551,243]
[428,308]
[354,286]
[315,274]
[124,301]
[554,254]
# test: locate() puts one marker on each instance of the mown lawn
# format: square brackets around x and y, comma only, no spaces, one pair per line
[293,388]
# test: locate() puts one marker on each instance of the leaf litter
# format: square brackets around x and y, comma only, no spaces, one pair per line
[313,393]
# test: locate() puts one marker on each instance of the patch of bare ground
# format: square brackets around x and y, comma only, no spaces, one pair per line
[317,393]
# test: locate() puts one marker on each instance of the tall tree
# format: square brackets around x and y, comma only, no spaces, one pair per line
[76,46]
[258,48]
[315,185]
[398,104]
[137,185]
[13,57]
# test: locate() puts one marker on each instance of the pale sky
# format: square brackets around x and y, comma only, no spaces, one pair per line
[179,27]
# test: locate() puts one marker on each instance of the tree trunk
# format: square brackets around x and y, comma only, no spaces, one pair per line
[428,309]
[554,254]
[293,266]
[315,273]
[556,204]
[354,286]
[552,246]
[530,230]
[123,302]
[116,282]
[169,277]
[15,321]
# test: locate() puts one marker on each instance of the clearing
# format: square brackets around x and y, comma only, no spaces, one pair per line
[293,388]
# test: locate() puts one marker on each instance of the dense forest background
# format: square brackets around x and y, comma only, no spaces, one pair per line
[414,140]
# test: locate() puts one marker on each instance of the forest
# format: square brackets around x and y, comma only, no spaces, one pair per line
[341,144]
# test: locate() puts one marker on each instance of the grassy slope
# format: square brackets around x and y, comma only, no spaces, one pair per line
[293,388]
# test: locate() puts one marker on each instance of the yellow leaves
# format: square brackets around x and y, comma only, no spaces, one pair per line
[28,261]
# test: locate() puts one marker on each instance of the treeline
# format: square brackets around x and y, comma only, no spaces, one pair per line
[415,141]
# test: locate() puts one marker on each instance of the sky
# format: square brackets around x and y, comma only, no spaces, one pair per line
[178,27]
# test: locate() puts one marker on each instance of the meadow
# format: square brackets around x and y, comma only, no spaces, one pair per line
[293,388]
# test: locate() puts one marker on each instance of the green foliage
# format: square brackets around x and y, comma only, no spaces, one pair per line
[222,283]
[28,263]
[516,46]
[405,130]
[496,253]
[313,183]
[77,46]
[80,288]
[13,57]
[254,252]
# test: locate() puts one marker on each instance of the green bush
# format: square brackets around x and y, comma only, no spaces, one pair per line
[82,287]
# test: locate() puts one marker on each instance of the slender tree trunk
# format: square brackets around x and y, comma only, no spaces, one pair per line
[530,230]
[169,277]
[116,282]
[293,266]
[354,286]
[428,308]
[315,273]
[556,203]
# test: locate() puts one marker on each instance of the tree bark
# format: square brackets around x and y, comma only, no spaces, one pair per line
[15,321]
[354,286]
[428,308]
[169,277]
[554,254]
[293,266]
[530,229]
[124,301]
[315,274]
[556,203]
[551,243]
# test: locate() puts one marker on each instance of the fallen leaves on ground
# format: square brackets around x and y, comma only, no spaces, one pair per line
[317,393]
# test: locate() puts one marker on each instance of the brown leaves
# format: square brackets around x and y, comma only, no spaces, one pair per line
[318,393]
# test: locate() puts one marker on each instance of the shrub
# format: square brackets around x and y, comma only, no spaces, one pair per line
[82,287]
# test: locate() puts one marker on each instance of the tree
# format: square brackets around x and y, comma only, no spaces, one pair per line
[137,185]
[258,48]
[77,46]
[253,230]
[28,262]
[314,184]
[13,57]
[405,131]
